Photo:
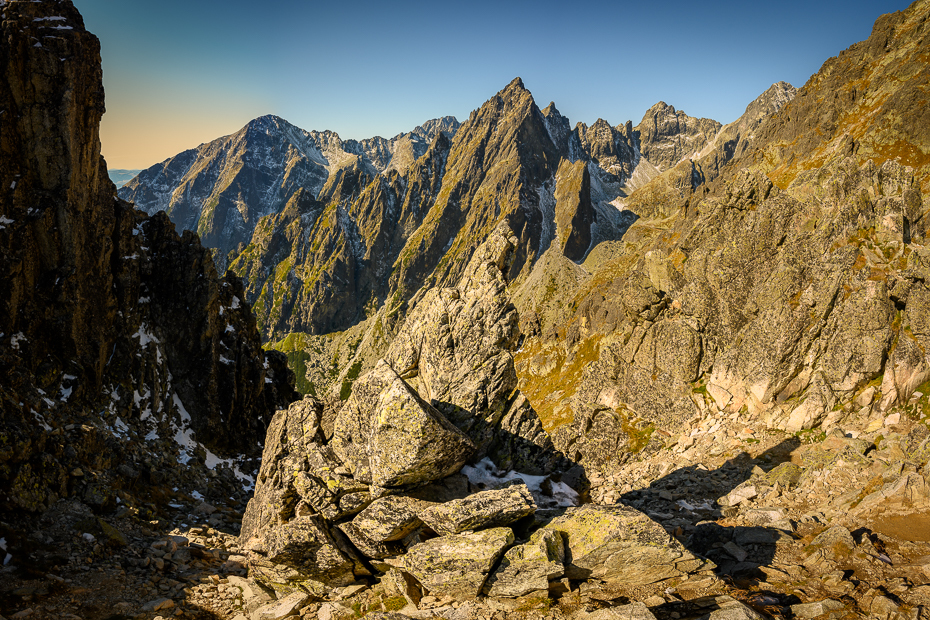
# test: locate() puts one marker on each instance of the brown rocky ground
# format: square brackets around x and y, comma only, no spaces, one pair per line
[819,533]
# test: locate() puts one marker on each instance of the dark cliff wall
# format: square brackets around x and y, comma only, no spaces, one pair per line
[108,318]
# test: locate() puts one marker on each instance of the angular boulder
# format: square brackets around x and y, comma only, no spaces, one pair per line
[622,545]
[484,509]
[529,567]
[456,347]
[388,436]
[388,518]
[290,434]
[457,565]
[370,548]
[302,551]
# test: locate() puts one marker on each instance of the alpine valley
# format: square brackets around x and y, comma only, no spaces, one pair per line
[498,369]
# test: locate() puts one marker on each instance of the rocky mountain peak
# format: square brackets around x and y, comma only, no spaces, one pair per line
[516,84]
[668,136]
[769,102]
[431,128]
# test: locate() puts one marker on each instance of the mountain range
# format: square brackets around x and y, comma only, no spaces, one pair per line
[337,241]
[327,234]
[676,370]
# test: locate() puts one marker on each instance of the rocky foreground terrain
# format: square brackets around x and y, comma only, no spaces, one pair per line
[709,402]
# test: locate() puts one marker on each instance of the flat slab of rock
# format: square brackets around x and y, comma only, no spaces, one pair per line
[388,518]
[734,610]
[633,611]
[491,508]
[620,544]
[812,610]
[370,548]
[529,567]
[288,606]
[388,436]
[457,565]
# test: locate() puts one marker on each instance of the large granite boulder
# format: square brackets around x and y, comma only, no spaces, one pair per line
[457,565]
[484,509]
[290,434]
[622,545]
[388,436]
[456,348]
[301,554]
[389,518]
[529,567]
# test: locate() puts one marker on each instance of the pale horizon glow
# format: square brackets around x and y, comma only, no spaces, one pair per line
[179,74]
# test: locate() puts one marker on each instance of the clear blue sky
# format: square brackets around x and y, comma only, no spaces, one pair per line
[181,73]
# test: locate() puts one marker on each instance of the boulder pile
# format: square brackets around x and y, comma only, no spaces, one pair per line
[399,484]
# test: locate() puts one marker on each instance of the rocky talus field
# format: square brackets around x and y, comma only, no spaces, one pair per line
[501,369]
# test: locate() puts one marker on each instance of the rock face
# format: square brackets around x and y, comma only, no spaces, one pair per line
[389,437]
[93,293]
[667,136]
[754,288]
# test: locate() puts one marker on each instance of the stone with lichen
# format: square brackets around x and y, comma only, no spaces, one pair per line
[457,565]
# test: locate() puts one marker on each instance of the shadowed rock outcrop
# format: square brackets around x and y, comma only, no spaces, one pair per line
[444,395]
[109,318]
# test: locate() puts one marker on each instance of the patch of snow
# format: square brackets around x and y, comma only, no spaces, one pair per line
[121,427]
[184,437]
[131,257]
[6,560]
[62,28]
[225,360]
[704,505]
[37,45]
[41,420]
[55,18]
[235,303]
[152,436]
[15,339]
[144,336]
[13,186]
[547,212]
[68,377]
[65,393]
[176,505]
[88,537]
[196,495]
[144,300]
[485,473]
[230,328]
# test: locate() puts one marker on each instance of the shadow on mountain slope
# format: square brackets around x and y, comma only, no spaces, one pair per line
[691,501]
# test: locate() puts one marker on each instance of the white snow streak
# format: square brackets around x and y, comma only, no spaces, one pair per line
[485,473]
